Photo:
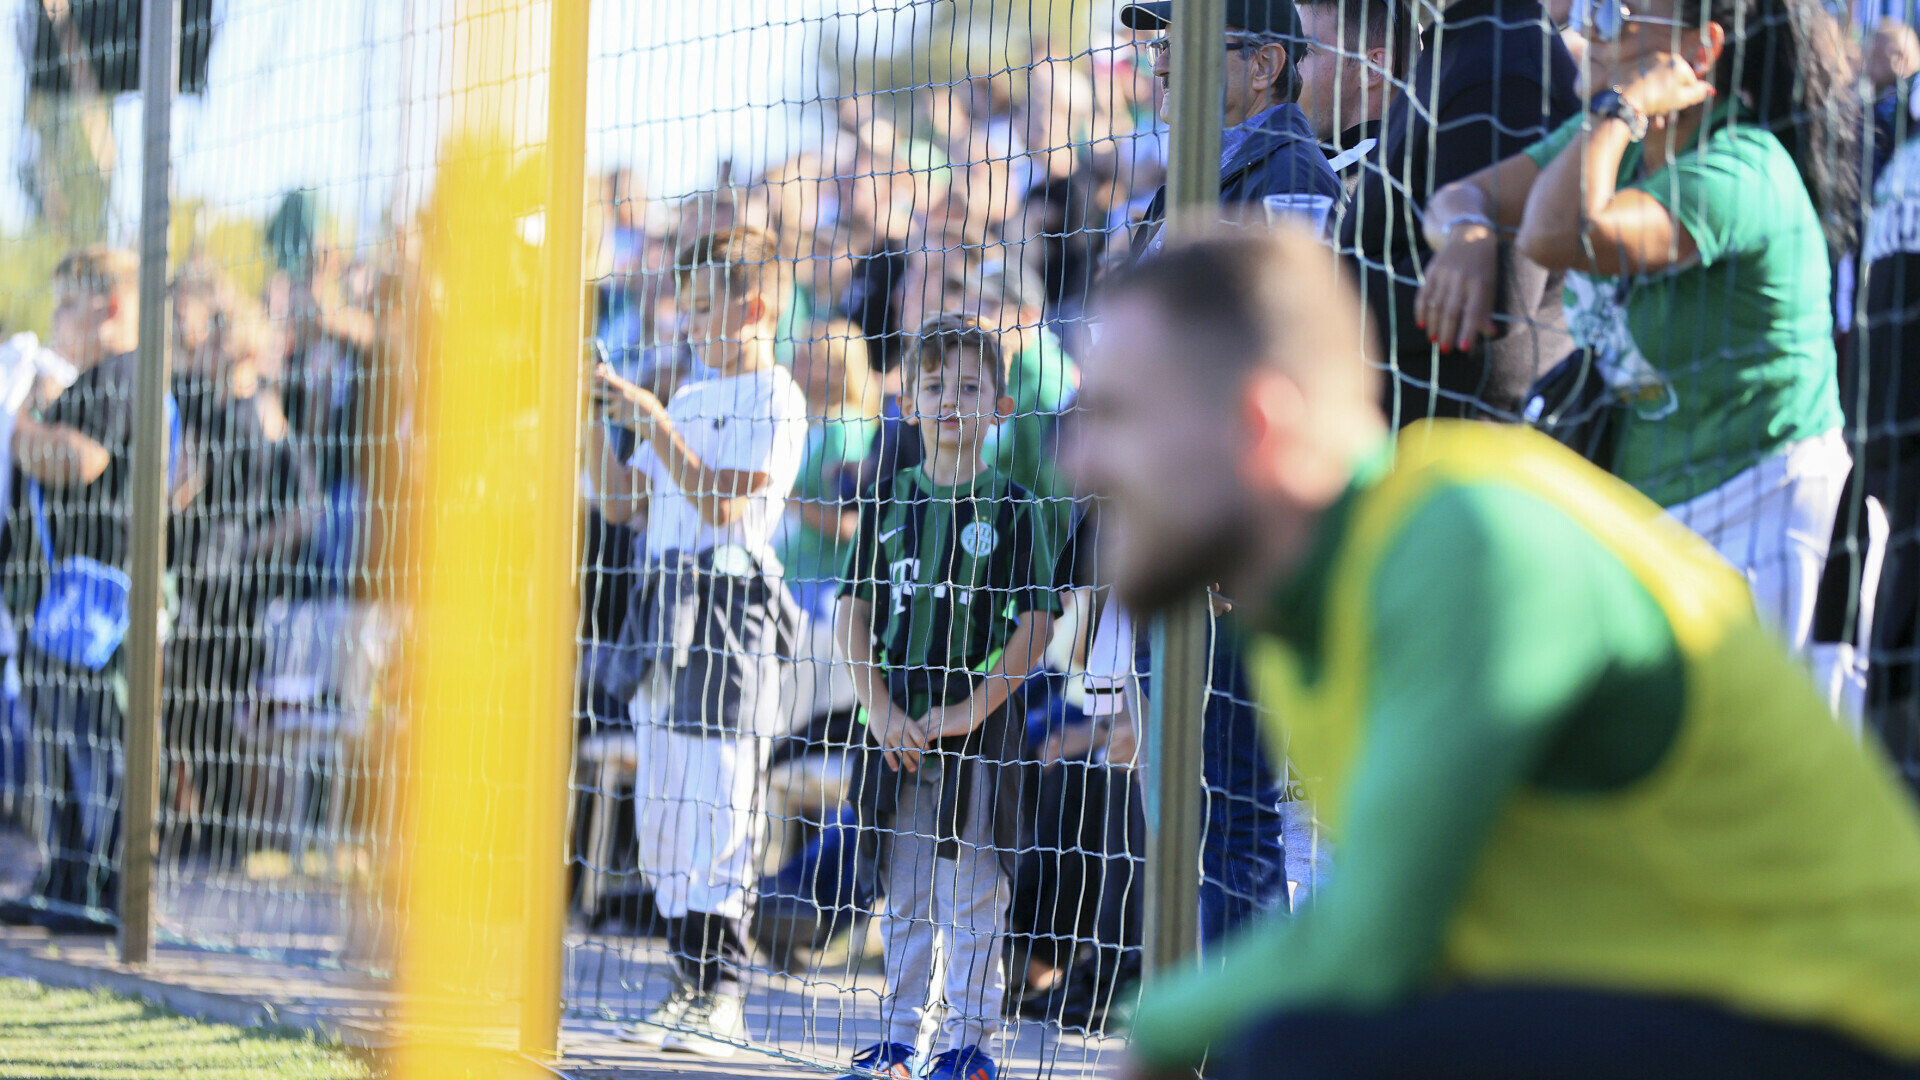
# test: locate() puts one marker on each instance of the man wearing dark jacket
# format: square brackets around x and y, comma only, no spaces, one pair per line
[1269,147]
[1881,384]
[1490,79]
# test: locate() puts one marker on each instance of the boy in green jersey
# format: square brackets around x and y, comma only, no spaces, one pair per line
[945,608]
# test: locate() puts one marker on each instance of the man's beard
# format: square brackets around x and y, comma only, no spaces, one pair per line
[1199,561]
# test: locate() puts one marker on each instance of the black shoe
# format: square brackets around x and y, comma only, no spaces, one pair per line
[18,913]
[58,923]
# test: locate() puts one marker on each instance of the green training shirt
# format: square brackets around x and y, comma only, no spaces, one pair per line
[1732,357]
[1483,683]
[1555,745]
[948,571]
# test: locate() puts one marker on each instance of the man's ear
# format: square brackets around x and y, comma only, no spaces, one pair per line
[113,305]
[1275,66]
[1274,409]
[1375,73]
[756,308]
[1003,408]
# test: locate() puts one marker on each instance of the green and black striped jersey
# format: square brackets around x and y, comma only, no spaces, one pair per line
[948,570]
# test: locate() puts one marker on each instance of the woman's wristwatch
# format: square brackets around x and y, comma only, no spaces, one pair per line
[1611,102]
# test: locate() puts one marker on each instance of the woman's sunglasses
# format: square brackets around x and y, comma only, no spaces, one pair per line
[1606,20]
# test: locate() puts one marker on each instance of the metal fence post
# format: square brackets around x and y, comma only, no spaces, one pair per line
[149,541]
[1175,798]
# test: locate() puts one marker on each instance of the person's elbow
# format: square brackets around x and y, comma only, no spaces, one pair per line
[1546,247]
[721,511]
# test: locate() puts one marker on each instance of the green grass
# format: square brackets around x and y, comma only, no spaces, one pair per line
[83,1035]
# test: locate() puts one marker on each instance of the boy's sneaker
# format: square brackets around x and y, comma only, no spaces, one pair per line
[964,1064]
[652,1029]
[714,1026]
[894,1061]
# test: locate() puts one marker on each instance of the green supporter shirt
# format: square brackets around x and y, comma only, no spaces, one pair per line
[793,324]
[1041,383]
[1731,357]
[948,571]
[835,446]
[1509,648]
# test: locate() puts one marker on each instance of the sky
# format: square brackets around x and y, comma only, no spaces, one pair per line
[310,93]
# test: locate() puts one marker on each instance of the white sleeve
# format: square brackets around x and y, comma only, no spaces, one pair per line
[1109,660]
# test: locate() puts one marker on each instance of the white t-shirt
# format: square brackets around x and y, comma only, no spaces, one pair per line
[756,422]
[23,361]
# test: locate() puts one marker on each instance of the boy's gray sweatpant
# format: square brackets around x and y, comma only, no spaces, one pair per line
[951,909]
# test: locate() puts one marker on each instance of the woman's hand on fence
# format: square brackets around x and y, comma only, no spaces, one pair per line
[1456,302]
[900,737]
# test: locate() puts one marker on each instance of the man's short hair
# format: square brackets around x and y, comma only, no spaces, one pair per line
[750,257]
[1375,24]
[1258,297]
[951,332]
[100,270]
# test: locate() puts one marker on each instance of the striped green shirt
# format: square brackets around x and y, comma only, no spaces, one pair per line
[948,570]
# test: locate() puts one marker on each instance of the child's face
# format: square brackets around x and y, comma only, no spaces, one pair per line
[80,321]
[717,314]
[954,405]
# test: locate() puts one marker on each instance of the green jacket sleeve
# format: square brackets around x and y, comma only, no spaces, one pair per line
[1494,618]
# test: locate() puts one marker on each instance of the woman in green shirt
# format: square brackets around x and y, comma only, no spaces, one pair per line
[843,400]
[1692,206]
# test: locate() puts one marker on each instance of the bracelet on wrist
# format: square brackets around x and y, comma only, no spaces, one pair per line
[1457,220]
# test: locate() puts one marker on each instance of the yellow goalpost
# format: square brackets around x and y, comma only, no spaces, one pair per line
[487,566]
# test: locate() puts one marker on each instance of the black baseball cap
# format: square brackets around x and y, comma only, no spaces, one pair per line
[1276,17]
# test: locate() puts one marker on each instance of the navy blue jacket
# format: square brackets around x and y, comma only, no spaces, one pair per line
[1280,156]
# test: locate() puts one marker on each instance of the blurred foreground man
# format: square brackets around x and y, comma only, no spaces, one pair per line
[1592,822]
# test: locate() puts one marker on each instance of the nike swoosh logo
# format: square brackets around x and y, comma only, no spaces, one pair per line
[889,534]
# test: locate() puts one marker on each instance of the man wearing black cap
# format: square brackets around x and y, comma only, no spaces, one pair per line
[1269,147]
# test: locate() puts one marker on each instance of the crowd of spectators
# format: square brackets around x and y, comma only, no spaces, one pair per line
[268,580]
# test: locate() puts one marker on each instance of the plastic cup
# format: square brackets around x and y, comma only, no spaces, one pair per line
[1312,211]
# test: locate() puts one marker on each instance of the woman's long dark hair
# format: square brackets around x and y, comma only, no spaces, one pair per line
[1787,59]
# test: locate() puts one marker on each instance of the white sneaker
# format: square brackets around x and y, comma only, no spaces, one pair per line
[715,1026]
[652,1029]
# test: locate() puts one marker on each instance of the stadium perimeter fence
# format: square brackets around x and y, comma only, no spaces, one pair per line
[989,158]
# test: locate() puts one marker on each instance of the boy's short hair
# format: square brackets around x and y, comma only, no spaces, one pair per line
[951,332]
[100,270]
[750,256]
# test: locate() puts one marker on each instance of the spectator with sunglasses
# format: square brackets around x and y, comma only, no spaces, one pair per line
[1693,207]
[1268,147]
